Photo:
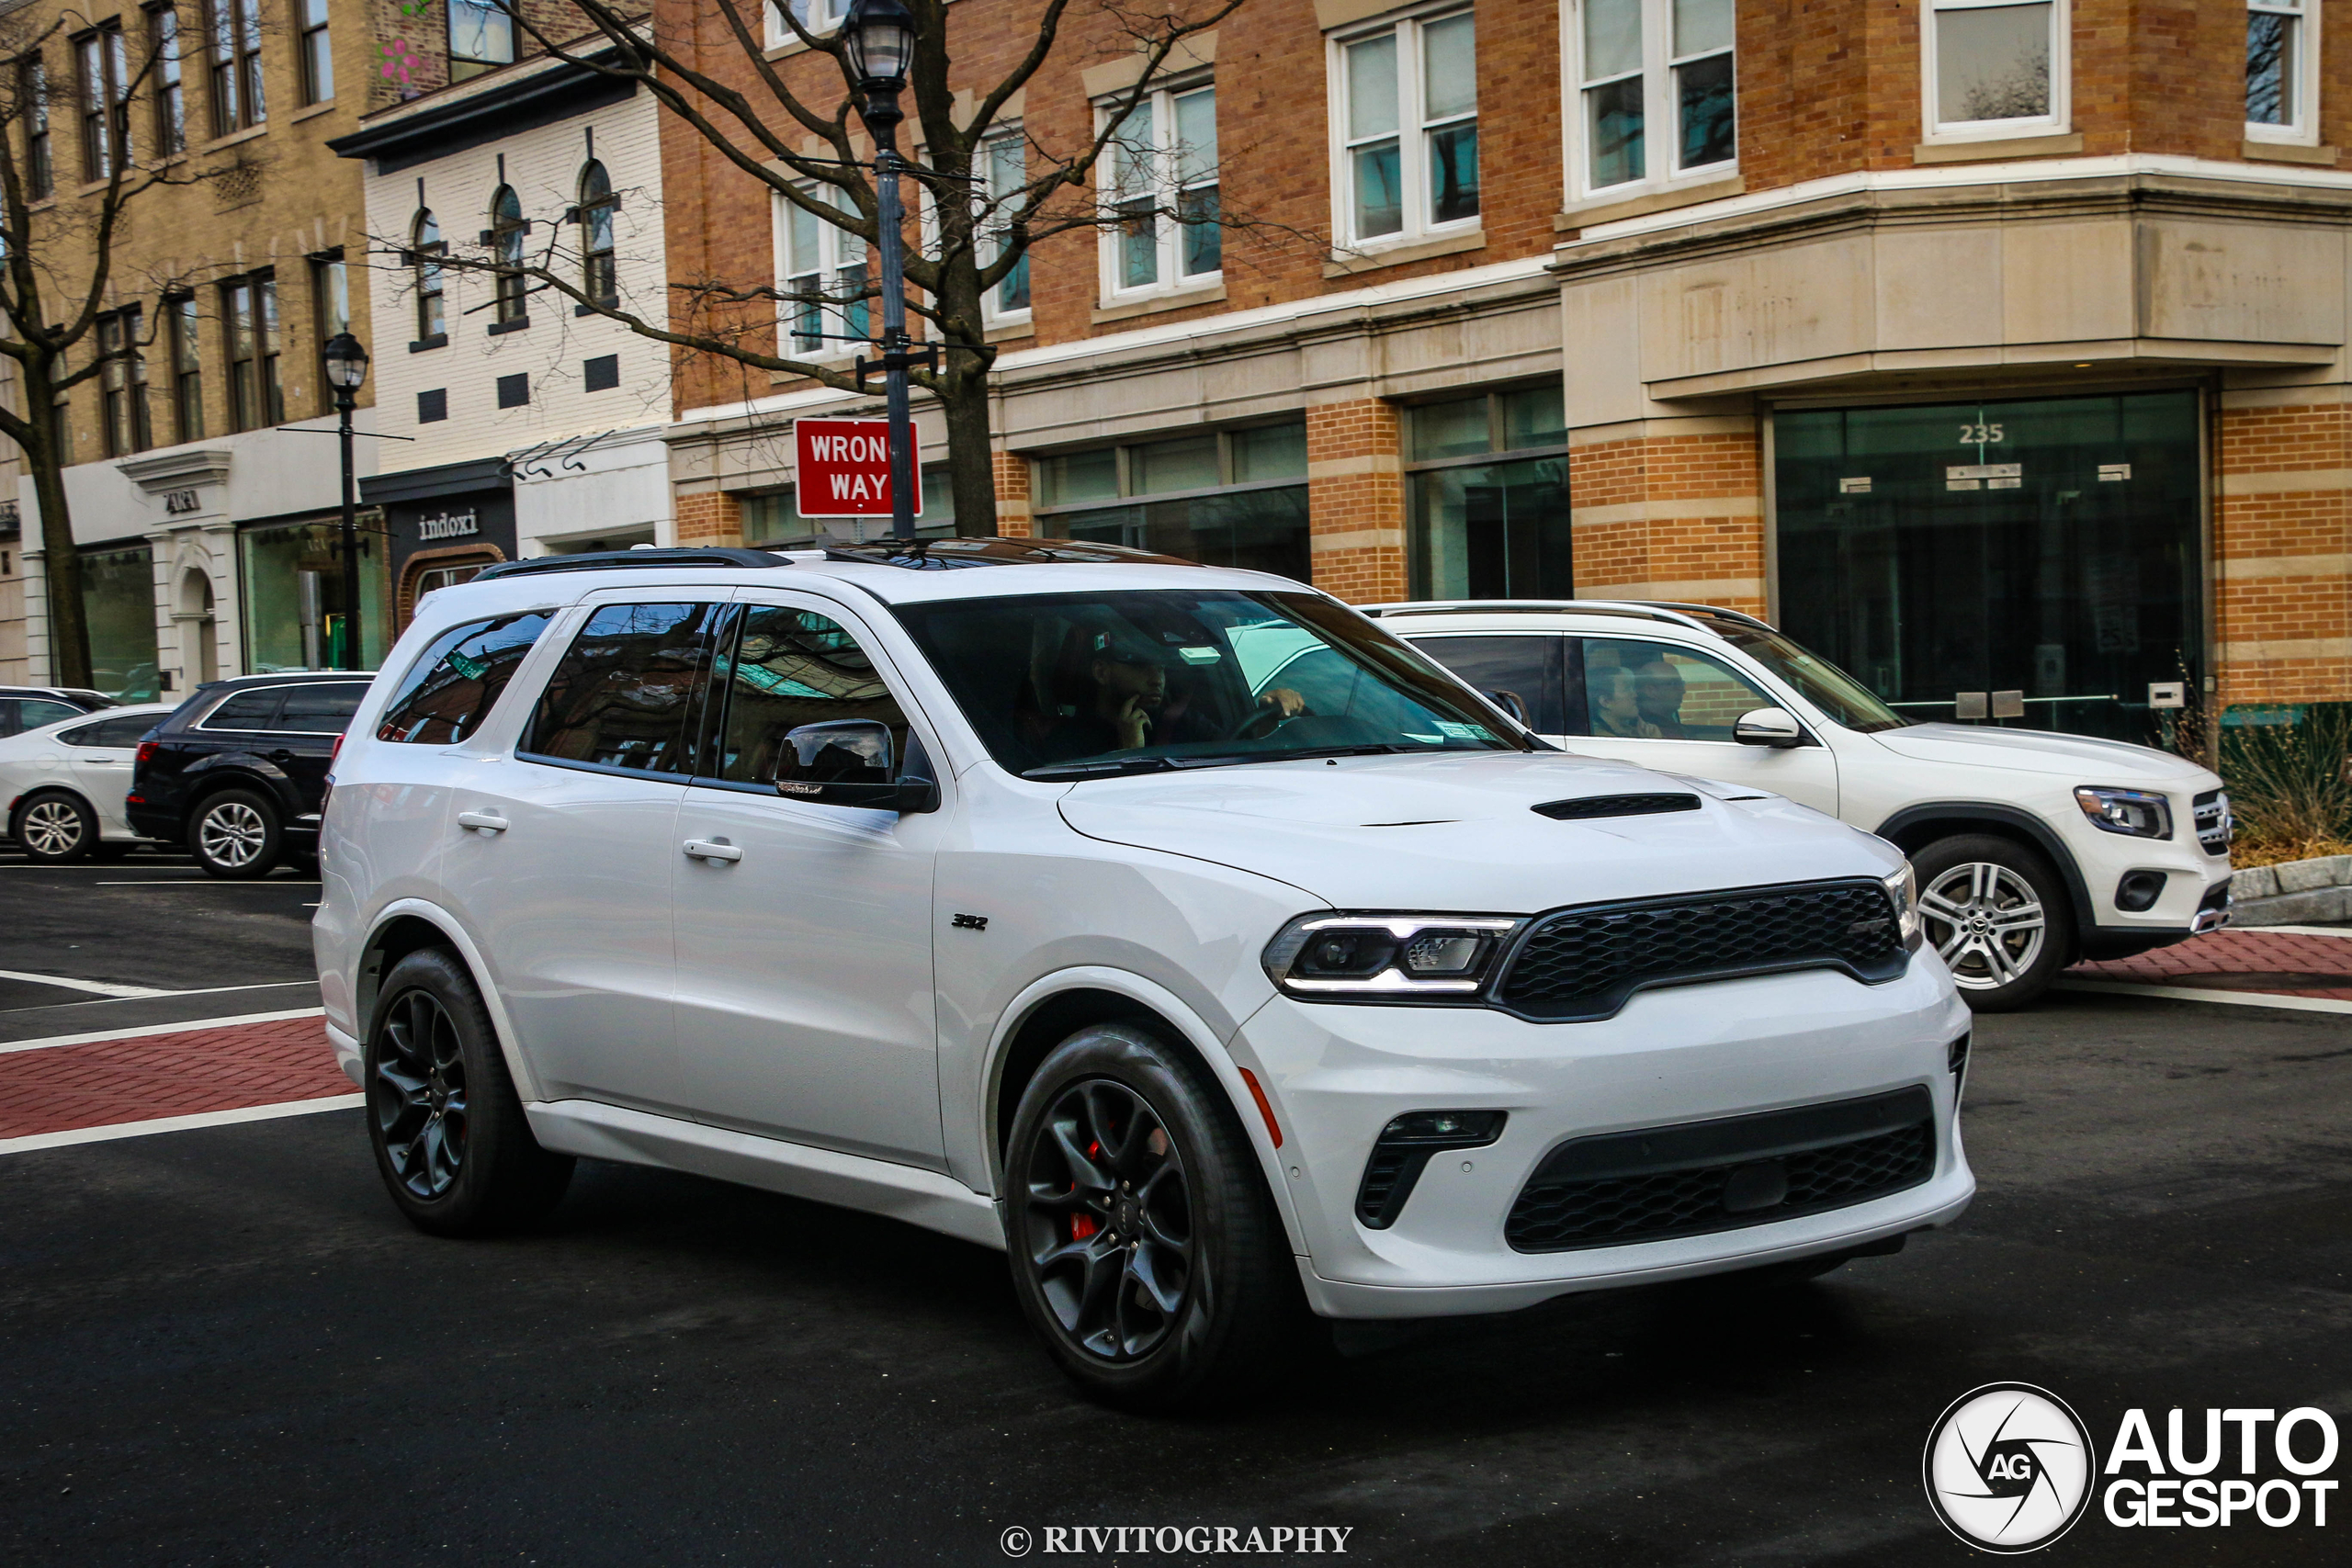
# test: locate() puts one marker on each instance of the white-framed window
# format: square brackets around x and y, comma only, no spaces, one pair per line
[1405,129]
[1002,164]
[2282,71]
[815,16]
[823,267]
[1996,68]
[1655,93]
[1162,190]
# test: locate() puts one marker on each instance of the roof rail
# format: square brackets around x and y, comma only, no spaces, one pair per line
[620,560]
[1709,612]
[1650,611]
[951,553]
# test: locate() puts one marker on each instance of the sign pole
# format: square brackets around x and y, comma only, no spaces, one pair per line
[894,333]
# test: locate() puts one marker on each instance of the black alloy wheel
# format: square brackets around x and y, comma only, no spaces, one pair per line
[1110,1221]
[418,1095]
[1145,1246]
[451,1142]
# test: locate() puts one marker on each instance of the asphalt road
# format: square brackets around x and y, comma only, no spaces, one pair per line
[223,1346]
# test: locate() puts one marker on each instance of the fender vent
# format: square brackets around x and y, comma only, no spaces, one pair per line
[1615,806]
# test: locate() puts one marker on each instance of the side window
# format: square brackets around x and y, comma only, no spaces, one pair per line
[454,682]
[1649,691]
[8,722]
[125,732]
[38,712]
[628,690]
[323,709]
[1528,667]
[246,710]
[789,669]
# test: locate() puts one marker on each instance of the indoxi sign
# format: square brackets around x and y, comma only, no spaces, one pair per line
[844,468]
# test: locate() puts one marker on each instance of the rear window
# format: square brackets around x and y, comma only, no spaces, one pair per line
[454,682]
[111,731]
[628,690]
[245,710]
[319,710]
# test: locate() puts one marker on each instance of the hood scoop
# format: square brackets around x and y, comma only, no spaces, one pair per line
[1589,806]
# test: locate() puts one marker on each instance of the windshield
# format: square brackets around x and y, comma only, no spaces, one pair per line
[1821,683]
[1078,685]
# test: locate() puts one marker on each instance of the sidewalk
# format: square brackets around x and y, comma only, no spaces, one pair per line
[2290,961]
[239,1066]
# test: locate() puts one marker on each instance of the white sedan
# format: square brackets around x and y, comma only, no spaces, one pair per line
[63,784]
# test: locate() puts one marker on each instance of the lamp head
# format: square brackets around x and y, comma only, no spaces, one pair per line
[880,38]
[345,361]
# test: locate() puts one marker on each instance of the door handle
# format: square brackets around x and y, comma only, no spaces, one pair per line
[481,819]
[281,755]
[699,848]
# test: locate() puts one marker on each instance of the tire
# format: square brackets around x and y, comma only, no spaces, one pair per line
[450,1139]
[56,829]
[1190,1308]
[236,835]
[1999,914]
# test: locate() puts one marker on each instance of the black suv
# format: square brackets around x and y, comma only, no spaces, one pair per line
[239,772]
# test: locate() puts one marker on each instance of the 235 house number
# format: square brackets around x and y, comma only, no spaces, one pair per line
[1980,435]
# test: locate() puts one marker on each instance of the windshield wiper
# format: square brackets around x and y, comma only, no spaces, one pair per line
[1104,770]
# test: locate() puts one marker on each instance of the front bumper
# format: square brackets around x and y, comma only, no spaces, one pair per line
[1339,1074]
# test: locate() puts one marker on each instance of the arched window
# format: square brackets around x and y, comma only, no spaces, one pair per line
[598,277]
[506,231]
[425,253]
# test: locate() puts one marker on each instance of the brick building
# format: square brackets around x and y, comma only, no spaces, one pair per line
[1990,348]
[204,495]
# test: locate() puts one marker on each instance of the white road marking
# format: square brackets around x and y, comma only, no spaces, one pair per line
[2194,994]
[97,987]
[54,1041]
[211,882]
[178,1123]
[2291,931]
[200,991]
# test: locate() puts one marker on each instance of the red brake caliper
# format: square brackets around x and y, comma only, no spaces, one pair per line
[1082,1226]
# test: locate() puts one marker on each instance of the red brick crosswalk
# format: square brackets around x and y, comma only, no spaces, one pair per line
[2252,961]
[104,1082]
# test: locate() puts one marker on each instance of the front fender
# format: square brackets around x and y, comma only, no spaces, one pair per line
[1168,1006]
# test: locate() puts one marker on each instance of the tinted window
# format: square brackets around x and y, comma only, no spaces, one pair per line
[1528,667]
[246,710]
[456,682]
[321,710]
[110,732]
[8,724]
[628,690]
[1648,691]
[792,668]
[34,712]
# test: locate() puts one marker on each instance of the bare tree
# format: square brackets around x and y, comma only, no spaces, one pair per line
[57,252]
[985,212]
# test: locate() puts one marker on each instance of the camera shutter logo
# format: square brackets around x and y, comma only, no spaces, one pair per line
[2009,1467]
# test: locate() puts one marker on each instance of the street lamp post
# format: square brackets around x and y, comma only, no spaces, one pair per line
[346,368]
[878,36]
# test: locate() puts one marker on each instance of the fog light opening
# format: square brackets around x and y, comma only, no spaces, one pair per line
[2139,891]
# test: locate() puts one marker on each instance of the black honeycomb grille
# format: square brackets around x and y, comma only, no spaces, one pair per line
[1585,963]
[1720,1176]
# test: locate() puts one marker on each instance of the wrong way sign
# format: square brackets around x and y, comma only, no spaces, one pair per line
[844,466]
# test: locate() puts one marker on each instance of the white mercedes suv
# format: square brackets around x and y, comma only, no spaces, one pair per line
[2033,850]
[1176,929]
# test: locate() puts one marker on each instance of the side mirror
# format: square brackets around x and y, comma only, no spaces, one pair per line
[1776,728]
[1510,702]
[849,761]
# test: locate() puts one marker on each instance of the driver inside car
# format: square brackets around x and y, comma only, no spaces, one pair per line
[1131,706]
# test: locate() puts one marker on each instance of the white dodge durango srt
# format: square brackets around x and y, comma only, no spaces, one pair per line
[1179,930]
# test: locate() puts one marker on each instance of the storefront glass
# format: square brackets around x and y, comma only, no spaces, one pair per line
[1225,500]
[293,598]
[119,605]
[2044,547]
[772,518]
[1498,529]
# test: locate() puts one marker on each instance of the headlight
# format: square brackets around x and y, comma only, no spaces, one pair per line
[1903,889]
[1387,957]
[2132,811]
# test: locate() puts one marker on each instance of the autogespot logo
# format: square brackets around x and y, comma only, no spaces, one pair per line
[2009,1467]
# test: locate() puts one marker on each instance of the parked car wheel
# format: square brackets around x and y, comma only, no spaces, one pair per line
[1998,913]
[1144,1246]
[56,829]
[236,834]
[450,1138]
